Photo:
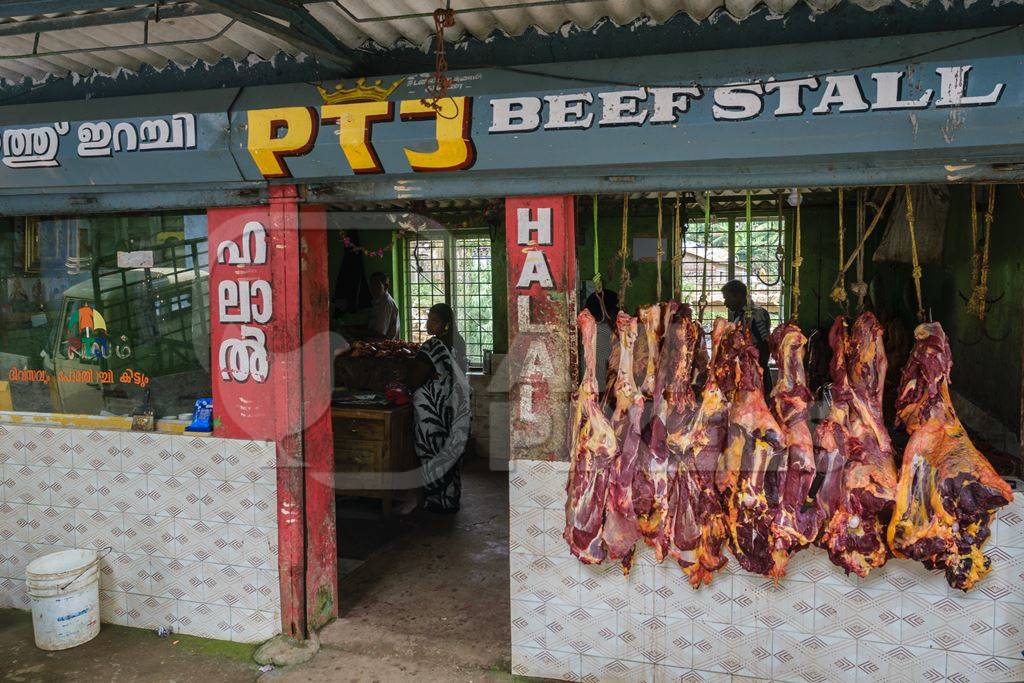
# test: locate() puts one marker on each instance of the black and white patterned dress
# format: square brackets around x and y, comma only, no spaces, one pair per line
[442,427]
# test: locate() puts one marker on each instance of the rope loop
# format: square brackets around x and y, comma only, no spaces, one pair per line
[916,272]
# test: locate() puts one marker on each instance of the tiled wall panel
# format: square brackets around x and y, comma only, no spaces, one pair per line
[191,522]
[902,623]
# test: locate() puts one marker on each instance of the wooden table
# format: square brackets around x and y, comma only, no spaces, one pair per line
[373,447]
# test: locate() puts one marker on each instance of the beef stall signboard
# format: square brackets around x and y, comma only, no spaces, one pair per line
[542,350]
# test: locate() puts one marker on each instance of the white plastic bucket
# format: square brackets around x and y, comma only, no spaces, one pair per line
[65,592]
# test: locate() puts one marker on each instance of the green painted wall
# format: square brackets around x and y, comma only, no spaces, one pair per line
[986,372]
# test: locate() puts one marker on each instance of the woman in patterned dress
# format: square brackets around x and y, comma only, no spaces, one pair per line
[441,405]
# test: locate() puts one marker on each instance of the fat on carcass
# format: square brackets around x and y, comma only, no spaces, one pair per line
[854,450]
[748,472]
[798,519]
[621,531]
[696,529]
[592,453]
[948,493]
[673,408]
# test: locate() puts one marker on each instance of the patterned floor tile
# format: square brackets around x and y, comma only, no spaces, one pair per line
[642,637]
[736,650]
[852,612]
[231,586]
[18,522]
[251,462]
[269,587]
[177,579]
[538,663]
[205,621]
[6,481]
[602,585]
[968,668]
[549,580]
[57,526]
[252,626]
[675,597]
[147,453]
[10,452]
[600,669]
[13,594]
[227,502]
[255,546]
[31,484]
[526,530]
[175,496]
[125,573]
[758,601]
[1009,627]
[537,483]
[113,607]
[101,450]
[673,674]
[581,630]
[899,663]
[678,642]
[52,447]
[149,612]
[204,456]
[553,528]
[1005,583]
[149,535]
[529,623]
[73,488]
[1008,528]
[812,658]
[948,623]
[98,529]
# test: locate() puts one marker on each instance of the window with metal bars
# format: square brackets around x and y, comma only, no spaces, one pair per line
[726,256]
[456,269]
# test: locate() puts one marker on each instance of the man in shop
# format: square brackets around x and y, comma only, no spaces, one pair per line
[734,293]
[383,309]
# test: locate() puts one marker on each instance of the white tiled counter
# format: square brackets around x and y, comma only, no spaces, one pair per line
[902,623]
[192,522]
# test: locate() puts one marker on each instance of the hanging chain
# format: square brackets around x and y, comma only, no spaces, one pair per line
[661,253]
[702,302]
[624,279]
[839,291]
[978,302]
[916,273]
[798,260]
[439,82]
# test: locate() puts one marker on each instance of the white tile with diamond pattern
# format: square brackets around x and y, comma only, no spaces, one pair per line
[191,521]
[902,623]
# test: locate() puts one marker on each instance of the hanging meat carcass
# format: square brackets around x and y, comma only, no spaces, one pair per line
[593,451]
[695,529]
[621,531]
[673,409]
[798,520]
[948,493]
[748,472]
[854,450]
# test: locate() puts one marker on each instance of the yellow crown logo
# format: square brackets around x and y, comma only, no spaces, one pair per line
[360,93]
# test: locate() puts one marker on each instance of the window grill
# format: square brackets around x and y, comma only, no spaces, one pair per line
[727,259]
[456,270]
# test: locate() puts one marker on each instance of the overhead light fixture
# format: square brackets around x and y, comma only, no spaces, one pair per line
[794,197]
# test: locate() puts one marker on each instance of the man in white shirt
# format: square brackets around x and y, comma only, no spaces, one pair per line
[383,309]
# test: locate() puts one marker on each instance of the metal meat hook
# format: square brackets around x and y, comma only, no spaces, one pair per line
[983,332]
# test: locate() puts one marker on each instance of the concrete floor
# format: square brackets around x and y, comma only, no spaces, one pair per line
[431,606]
[120,654]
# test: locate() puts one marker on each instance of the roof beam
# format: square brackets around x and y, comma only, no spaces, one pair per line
[300,28]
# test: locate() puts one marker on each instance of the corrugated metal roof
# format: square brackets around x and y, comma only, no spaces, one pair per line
[182,38]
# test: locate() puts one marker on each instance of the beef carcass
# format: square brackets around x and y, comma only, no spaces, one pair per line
[621,531]
[673,408]
[748,470]
[854,450]
[593,450]
[798,520]
[695,529]
[948,493]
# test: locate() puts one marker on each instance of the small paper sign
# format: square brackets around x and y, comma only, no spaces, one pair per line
[135,259]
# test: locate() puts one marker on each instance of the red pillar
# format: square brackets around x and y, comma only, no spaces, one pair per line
[541,241]
[264,300]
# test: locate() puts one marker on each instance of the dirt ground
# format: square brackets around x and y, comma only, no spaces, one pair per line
[433,605]
[120,654]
